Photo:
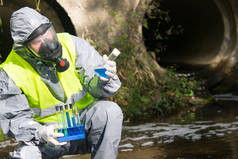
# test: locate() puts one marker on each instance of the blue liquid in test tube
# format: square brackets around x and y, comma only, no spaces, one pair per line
[68,116]
[73,114]
[63,120]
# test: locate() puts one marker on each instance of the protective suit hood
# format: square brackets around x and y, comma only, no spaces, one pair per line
[26,21]
[23,22]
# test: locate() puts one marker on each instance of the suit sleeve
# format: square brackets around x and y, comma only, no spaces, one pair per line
[16,116]
[87,58]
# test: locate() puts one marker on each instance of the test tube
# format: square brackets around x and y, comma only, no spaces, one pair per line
[73,114]
[63,121]
[68,116]
[77,114]
[59,122]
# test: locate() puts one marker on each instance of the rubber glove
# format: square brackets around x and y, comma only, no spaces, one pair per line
[111,68]
[48,134]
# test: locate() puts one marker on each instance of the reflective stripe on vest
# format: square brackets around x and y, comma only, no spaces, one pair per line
[39,97]
[51,110]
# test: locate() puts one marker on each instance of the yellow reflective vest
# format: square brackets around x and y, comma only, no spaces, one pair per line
[39,97]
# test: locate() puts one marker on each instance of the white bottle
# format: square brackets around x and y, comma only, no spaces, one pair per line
[100,71]
[114,54]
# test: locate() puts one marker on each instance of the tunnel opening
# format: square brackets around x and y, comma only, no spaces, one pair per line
[49,8]
[187,34]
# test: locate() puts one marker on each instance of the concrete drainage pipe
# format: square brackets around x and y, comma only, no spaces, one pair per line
[209,43]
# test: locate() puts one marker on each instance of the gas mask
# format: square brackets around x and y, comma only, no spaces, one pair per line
[44,45]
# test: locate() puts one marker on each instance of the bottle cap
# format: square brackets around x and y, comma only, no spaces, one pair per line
[57,108]
[116,52]
[66,106]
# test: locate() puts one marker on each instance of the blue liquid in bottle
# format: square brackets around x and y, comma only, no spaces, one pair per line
[101,72]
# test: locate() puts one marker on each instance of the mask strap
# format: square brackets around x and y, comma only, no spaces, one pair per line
[31,53]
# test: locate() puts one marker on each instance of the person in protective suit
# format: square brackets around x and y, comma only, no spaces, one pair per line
[45,70]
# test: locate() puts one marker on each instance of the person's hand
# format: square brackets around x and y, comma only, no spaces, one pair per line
[48,134]
[111,68]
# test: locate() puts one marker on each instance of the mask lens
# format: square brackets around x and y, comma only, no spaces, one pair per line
[36,43]
[46,45]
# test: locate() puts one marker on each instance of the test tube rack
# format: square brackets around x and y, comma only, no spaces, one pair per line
[69,119]
[74,133]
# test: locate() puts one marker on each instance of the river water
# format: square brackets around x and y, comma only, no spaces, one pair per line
[212,135]
[200,140]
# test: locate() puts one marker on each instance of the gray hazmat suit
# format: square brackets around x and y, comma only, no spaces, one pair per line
[102,119]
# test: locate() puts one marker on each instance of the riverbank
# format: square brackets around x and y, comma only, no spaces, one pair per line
[145,153]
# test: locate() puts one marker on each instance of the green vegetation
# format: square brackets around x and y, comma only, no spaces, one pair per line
[178,92]
[145,93]
[189,118]
[2,136]
[159,27]
[37,5]
[1,25]
[175,94]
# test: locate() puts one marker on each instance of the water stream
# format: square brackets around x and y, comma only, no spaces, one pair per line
[205,139]
[212,137]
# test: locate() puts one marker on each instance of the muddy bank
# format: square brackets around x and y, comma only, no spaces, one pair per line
[146,153]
